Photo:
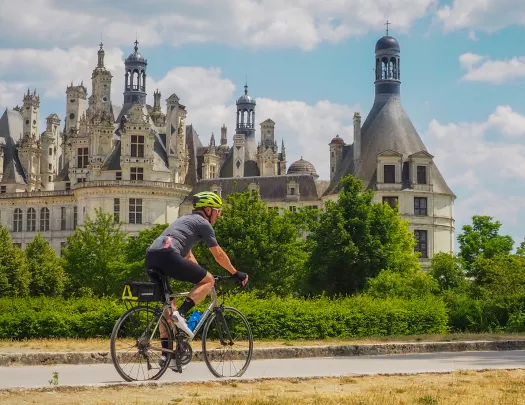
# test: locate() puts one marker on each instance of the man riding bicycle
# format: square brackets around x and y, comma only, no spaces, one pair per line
[171,254]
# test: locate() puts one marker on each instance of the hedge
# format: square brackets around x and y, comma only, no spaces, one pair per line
[273,318]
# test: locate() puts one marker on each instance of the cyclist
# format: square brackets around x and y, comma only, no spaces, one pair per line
[171,254]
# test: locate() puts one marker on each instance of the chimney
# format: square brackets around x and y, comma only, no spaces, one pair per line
[357,139]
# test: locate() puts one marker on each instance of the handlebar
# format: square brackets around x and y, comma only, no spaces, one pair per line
[220,279]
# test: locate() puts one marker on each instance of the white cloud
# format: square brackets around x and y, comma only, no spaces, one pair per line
[254,23]
[485,15]
[482,69]
[484,163]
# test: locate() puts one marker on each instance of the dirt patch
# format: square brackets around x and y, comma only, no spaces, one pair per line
[466,388]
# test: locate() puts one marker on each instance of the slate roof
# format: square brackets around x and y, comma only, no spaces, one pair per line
[11,128]
[387,127]
[271,188]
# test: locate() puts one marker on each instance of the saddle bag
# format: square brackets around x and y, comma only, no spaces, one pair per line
[141,292]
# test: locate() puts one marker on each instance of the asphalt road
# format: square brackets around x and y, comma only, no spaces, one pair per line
[39,376]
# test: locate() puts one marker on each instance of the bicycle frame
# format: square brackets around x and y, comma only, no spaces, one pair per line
[213,304]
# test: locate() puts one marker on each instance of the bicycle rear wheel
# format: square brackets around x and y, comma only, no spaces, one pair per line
[227,343]
[136,348]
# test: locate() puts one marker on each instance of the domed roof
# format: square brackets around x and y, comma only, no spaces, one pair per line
[245,98]
[136,56]
[338,140]
[302,166]
[387,42]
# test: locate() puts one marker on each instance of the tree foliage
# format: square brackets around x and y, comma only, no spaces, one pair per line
[47,274]
[259,241]
[94,254]
[356,239]
[482,238]
[448,271]
[406,285]
[14,275]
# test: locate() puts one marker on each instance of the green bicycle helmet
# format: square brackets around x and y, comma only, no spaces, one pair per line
[206,199]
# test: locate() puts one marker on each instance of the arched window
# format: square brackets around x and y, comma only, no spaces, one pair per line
[17,220]
[31,220]
[384,68]
[393,64]
[44,219]
[135,80]
[143,82]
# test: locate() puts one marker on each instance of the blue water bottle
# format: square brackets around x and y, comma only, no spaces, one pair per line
[194,320]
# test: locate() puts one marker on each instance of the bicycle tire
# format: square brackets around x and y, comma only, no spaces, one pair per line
[113,338]
[205,351]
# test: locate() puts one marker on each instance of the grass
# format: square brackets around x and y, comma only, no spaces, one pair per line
[75,345]
[501,387]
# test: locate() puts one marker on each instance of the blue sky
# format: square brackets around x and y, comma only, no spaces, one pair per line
[309,65]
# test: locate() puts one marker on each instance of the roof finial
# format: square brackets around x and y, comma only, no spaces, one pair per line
[136,45]
[246,85]
[387,24]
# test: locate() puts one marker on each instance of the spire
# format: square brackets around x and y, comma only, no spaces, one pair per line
[387,24]
[136,45]
[246,89]
[212,140]
[101,56]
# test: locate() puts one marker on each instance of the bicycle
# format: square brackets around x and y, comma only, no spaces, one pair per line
[229,321]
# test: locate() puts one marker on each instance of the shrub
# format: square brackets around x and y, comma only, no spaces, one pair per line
[270,318]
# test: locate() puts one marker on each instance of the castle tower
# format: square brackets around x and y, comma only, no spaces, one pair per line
[282,160]
[100,99]
[178,157]
[30,114]
[267,151]
[245,152]
[336,155]
[48,159]
[158,117]
[210,168]
[76,103]
[135,78]
[224,135]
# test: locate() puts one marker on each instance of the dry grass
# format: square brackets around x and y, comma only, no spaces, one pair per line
[75,345]
[472,388]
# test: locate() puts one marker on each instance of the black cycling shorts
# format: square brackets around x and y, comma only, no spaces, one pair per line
[172,264]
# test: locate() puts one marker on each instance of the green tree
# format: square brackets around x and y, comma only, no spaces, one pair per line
[447,270]
[47,274]
[520,251]
[14,275]
[259,241]
[94,254]
[355,240]
[482,238]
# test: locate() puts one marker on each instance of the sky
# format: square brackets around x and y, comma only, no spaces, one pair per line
[309,64]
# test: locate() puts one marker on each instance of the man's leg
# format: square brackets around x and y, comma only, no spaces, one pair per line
[197,294]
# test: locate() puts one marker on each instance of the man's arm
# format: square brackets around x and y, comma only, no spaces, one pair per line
[222,258]
[191,257]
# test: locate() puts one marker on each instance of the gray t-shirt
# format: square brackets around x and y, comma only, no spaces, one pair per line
[184,233]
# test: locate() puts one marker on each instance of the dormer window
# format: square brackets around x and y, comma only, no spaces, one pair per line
[421,175]
[389,172]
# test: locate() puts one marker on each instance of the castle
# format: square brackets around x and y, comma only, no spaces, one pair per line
[143,164]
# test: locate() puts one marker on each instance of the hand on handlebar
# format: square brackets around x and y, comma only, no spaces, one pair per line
[242,277]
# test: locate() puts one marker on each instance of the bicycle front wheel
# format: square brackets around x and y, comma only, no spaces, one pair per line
[136,347]
[227,343]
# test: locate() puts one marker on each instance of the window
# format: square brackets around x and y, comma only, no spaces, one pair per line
[392,201]
[332,154]
[212,172]
[62,218]
[421,243]
[136,173]
[31,220]
[44,219]
[421,175]
[333,169]
[50,178]
[389,172]
[292,190]
[274,209]
[3,189]
[420,205]
[50,166]
[17,220]
[75,217]
[292,208]
[135,210]
[50,151]
[116,210]
[68,186]
[82,158]
[137,146]
[118,176]
[81,180]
